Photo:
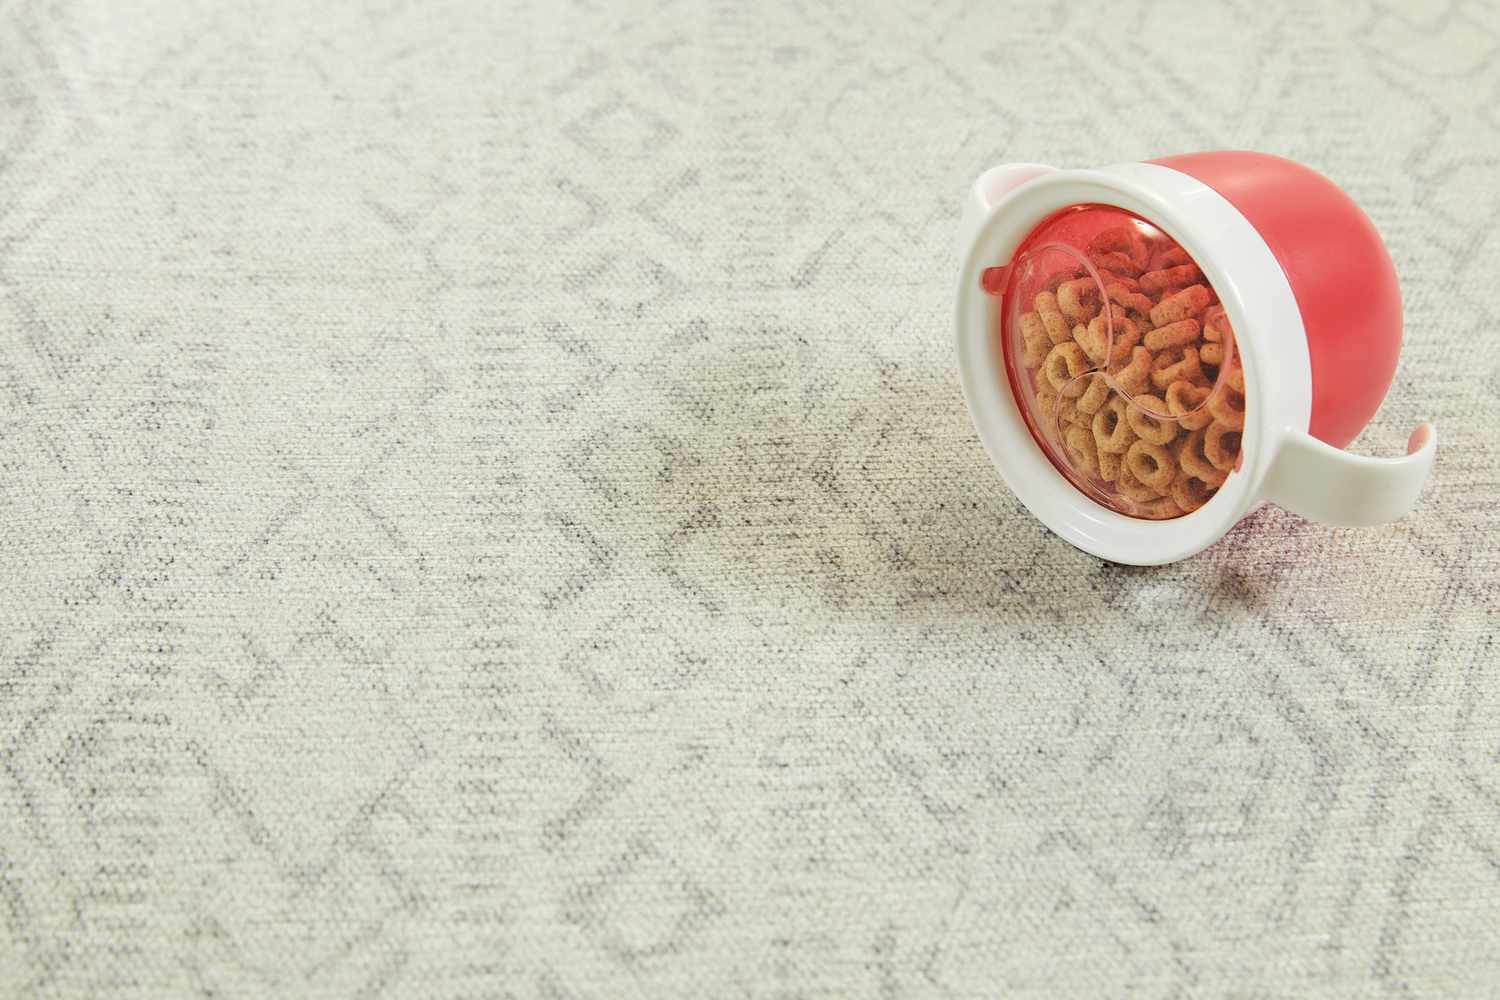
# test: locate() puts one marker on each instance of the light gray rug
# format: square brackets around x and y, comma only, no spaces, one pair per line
[486,510]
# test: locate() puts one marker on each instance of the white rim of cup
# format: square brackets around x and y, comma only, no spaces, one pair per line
[1257,299]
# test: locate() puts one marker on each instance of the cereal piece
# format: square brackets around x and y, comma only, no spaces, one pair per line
[1168,255]
[1058,327]
[1189,492]
[1185,401]
[1177,365]
[1078,299]
[1221,445]
[1215,324]
[1151,420]
[1112,431]
[1109,465]
[1095,396]
[1235,378]
[1160,509]
[1114,261]
[1135,376]
[1095,339]
[1192,458]
[1122,294]
[1132,488]
[1046,396]
[1034,336]
[1227,403]
[1063,364]
[1169,279]
[1108,277]
[1057,278]
[1180,305]
[1152,465]
[1212,354]
[1079,444]
[1127,241]
[1176,334]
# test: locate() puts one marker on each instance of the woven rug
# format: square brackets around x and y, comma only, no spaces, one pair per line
[487,510]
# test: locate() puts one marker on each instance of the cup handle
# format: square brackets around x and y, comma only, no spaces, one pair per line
[986,192]
[1329,485]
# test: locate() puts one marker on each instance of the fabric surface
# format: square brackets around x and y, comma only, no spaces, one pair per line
[488,511]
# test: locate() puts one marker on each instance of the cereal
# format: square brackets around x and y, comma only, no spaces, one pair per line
[1080,446]
[1095,396]
[1180,305]
[1112,431]
[1063,364]
[1177,365]
[1058,327]
[1221,445]
[1190,492]
[1169,279]
[1131,487]
[1151,420]
[1160,509]
[1152,465]
[1127,241]
[1135,376]
[1185,402]
[1139,388]
[1034,334]
[1179,333]
[1227,403]
[1078,299]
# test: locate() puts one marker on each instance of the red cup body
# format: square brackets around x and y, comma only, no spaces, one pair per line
[1339,272]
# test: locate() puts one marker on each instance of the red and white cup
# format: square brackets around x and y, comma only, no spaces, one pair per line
[1310,293]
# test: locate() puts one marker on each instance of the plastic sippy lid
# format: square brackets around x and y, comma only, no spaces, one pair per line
[1122,361]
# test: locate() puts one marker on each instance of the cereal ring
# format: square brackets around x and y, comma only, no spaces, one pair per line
[1179,365]
[1133,300]
[1151,420]
[1135,376]
[1168,279]
[1058,277]
[1058,327]
[1132,488]
[1189,492]
[1112,431]
[1034,336]
[1079,444]
[1227,403]
[1160,509]
[1095,396]
[1095,340]
[1235,378]
[1152,465]
[1179,333]
[1166,254]
[1192,458]
[1078,299]
[1046,396]
[1185,401]
[1212,353]
[1128,241]
[1064,363]
[1188,302]
[1115,262]
[1221,445]
[1216,324]
[1109,465]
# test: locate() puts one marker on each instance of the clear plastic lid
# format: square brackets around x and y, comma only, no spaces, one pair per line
[1123,361]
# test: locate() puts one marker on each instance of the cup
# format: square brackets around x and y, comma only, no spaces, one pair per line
[1150,351]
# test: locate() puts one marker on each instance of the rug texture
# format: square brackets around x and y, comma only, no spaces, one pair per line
[487,510]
